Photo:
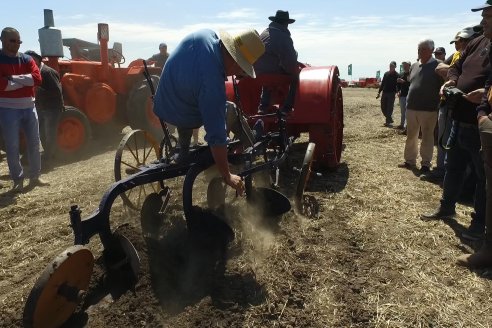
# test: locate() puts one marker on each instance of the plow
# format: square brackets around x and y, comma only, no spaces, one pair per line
[143,169]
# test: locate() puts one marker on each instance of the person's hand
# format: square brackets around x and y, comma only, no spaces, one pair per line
[400,80]
[475,96]
[235,182]
[447,84]
[482,116]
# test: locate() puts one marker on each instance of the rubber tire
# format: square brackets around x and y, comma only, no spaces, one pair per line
[73,134]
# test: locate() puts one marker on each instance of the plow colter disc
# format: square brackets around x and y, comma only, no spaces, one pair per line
[269,202]
[57,292]
[305,173]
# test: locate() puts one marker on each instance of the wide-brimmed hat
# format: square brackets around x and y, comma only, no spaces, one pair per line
[487,4]
[282,17]
[245,48]
[34,54]
[465,33]
[407,62]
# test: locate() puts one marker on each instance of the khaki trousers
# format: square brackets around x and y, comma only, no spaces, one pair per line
[425,122]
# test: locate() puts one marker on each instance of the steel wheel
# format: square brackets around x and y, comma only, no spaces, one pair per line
[305,173]
[56,294]
[137,149]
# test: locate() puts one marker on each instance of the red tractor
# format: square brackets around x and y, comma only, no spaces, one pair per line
[98,92]
[318,108]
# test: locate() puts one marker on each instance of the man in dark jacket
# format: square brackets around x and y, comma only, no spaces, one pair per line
[388,87]
[468,74]
[483,257]
[49,103]
[280,57]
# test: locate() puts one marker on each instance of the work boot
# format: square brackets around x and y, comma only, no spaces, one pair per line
[37,182]
[478,260]
[440,214]
[18,186]
[474,232]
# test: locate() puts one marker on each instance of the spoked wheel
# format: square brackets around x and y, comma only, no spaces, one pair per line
[56,294]
[302,203]
[137,149]
[164,149]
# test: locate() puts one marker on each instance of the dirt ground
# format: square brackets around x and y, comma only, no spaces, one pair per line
[366,261]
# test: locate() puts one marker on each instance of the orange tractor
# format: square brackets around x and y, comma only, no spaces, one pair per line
[98,93]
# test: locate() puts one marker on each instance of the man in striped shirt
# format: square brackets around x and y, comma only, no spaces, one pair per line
[18,76]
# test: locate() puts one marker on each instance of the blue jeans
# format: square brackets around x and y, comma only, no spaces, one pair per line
[465,149]
[48,125]
[403,110]
[12,122]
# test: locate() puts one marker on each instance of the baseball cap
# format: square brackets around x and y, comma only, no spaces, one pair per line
[441,49]
[465,33]
[393,63]
[487,4]
[162,45]
[406,62]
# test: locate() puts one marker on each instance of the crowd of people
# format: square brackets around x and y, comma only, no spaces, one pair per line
[450,96]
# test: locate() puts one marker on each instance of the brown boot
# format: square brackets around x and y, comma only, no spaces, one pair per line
[478,260]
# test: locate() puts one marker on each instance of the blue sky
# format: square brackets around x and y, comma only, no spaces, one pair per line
[367,34]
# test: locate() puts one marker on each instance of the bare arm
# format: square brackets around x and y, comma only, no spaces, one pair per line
[220,156]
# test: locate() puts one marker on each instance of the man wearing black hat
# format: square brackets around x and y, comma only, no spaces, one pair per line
[483,257]
[49,103]
[280,57]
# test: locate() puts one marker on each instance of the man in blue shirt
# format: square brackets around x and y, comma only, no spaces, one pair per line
[192,92]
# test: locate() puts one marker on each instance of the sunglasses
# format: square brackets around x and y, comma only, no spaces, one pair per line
[15,41]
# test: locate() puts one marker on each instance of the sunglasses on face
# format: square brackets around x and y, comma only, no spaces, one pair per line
[15,41]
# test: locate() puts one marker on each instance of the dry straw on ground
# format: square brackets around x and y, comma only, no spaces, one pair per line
[367,261]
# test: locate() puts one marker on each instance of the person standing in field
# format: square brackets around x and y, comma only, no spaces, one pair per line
[462,38]
[49,103]
[483,257]
[422,105]
[18,77]
[389,88]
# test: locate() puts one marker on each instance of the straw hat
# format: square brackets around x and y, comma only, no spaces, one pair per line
[245,48]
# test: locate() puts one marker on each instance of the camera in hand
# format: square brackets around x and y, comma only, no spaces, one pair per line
[452,96]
